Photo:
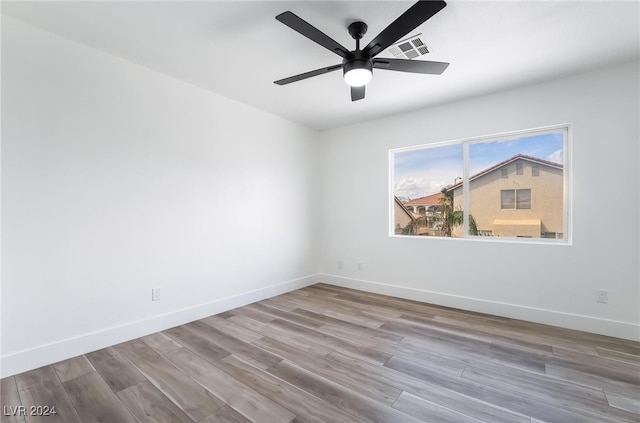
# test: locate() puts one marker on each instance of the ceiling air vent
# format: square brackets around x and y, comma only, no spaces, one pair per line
[410,48]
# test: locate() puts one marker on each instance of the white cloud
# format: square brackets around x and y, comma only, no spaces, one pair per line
[412,187]
[557,156]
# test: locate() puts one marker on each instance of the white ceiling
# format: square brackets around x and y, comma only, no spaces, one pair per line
[237,48]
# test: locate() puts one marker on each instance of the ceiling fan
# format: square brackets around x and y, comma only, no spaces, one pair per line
[357,65]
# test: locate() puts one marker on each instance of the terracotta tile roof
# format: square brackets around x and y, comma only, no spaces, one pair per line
[433,199]
[506,162]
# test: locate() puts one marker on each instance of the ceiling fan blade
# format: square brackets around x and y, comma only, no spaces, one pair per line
[414,66]
[407,22]
[314,34]
[357,93]
[306,75]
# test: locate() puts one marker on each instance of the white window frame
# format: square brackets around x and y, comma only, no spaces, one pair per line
[567,238]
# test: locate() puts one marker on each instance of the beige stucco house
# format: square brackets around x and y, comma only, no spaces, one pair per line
[522,196]
[401,215]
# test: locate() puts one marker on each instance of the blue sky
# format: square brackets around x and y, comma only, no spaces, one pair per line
[426,171]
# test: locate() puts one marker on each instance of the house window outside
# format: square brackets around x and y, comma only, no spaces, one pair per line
[515,199]
[533,197]
[508,199]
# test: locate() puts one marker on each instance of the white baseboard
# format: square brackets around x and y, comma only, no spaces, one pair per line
[590,324]
[43,355]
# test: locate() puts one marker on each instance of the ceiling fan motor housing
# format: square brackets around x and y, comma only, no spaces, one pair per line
[357,61]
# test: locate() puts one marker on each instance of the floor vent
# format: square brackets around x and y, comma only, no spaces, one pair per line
[410,48]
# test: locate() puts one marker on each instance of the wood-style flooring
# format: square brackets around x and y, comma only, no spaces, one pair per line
[325,354]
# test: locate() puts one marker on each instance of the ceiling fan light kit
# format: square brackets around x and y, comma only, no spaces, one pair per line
[358,73]
[357,65]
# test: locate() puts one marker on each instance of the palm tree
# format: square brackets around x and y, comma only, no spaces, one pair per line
[446,218]
[450,218]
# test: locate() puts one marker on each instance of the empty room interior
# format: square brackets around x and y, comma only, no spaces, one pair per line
[367,211]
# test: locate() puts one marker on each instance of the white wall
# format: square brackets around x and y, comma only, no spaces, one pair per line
[117,179]
[542,283]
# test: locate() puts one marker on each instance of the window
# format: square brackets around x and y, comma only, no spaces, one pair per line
[508,199]
[504,173]
[523,199]
[515,199]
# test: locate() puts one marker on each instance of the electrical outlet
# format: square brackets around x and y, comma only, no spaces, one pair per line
[155,294]
[602,296]
[340,264]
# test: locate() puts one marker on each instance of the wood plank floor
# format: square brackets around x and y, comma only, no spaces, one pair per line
[325,354]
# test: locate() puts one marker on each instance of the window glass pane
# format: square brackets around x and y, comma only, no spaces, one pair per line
[523,199]
[421,177]
[507,199]
[531,198]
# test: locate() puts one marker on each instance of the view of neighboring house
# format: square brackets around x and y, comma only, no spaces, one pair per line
[402,216]
[425,207]
[518,197]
